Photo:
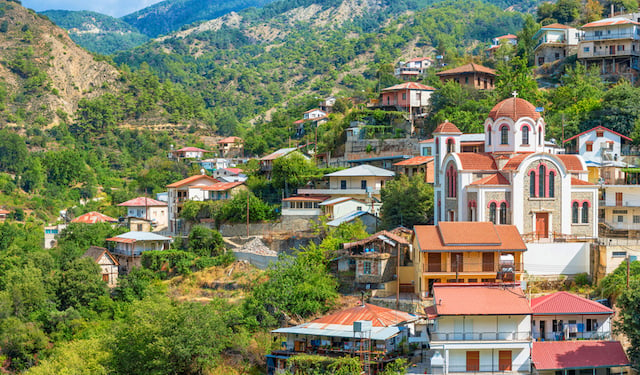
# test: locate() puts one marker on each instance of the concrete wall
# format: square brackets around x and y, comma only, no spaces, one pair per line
[259,261]
[456,360]
[553,259]
[286,224]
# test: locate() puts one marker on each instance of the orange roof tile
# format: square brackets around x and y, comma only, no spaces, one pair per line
[420,59]
[409,86]
[508,36]
[477,161]
[447,127]
[4,212]
[610,22]
[418,160]
[468,68]
[222,186]
[142,202]
[576,182]
[468,236]
[192,180]
[587,354]
[191,149]
[567,303]
[514,162]
[572,162]
[379,316]
[94,217]
[430,140]
[506,109]
[231,140]
[492,179]
[555,26]
[480,299]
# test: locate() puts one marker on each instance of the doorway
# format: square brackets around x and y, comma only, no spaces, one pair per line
[542,224]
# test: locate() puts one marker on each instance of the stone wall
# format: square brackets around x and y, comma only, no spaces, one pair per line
[550,205]
[582,229]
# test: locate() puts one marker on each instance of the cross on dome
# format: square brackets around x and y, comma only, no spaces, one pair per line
[514,93]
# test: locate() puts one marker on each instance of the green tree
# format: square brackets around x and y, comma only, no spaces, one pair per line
[407,202]
[517,76]
[235,209]
[32,179]
[292,171]
[80,285]
[13,152]
[135,285]
[628,322]
[205,242]
[615,283]
[21,342]
[526,43]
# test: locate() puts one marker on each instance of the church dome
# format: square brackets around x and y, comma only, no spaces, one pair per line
[447,127]
[514,108]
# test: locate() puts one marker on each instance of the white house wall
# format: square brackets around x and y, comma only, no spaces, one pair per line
[456,359]
[556,258]
[596,154]
[603,332]
[344,208]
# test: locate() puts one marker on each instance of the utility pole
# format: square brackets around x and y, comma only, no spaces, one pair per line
[247,214]
[398,276]
[628,269]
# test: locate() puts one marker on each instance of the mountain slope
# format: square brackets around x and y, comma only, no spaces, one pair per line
[97,32]
[171,15]
[43,73]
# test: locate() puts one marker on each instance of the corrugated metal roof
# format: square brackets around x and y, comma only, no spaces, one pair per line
[377,333]
[567,303]
[382,235]
[191,149]
[348,218]
[138,236]
[333,201]
[480,299]
[467,68]
[379,316]
[94,217]
[142,202]
[409,86]
[364,170]
[610,22]
[584,354]
[278,153]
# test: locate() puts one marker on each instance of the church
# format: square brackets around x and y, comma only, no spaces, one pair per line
[517,179]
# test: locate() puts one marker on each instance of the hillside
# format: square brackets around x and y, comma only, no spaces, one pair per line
[43,73]
[170,15]
[97,32]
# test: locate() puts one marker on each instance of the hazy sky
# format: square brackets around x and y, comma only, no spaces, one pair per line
[116,8]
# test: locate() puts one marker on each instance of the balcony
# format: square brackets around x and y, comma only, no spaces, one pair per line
[337,191]
[480,336]
[450,268]
[560,336]
[606,53]
[610,36]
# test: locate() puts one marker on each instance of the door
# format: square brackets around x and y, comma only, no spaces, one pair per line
[487,262]
[543,330]
[612,50]
[473,360]
[504,360]
[457,262]
[434,261]
[458,329]
[542,224]
[619,199]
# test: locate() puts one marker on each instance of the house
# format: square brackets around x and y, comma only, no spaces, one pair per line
[313,114]
[411,97]
[154,211]
[499,41]
[516,180]
[466,252]
[579,357]
[266,162]
[375,264]
[51,233]
[613,45]
[4,213]
[214,164]
[222,190]
[370,221]
[365,329]
[413,68]
[555,42]
[566,316]
[314,117]
[415,165]
[128,247]
[620,206]
[480,328]
[326,105]
[470,75]
[473,142]
[231,147]
[362,182]
[184,190]
[303,205]
[600,148]
[188,153]
[229,175]
[94,217]
[107,262]
[341,206]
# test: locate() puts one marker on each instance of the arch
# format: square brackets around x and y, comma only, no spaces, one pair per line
[552,184]
[489,135]
[574,212]
[451,144]
[492,212]
[503,212]
[585,212]
[525,134]
[452,177]
[504,134]
[540,140]
[542,176]
[532,184]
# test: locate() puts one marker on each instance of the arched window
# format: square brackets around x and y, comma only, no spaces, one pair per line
[504,135]
[541,183]
[552,184]
[503,213]
[451,182]
[489,136]
[585,212]
[532,184]
[525,135]
[450,145]
[540,136]
[574,212]
[492,212]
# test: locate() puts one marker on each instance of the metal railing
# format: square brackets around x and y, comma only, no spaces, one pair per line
[608,36]
[481,336]
[555,237]
[561,336]
[466,267]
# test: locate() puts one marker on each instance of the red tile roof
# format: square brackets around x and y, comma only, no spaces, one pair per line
[231,140]
[576,181]
[418,160]
[142,202]
[492,179]
[468,68]
[555,26]
[375,236]
[477,161]
[566,303]
[234,170]
[557,355]
[191,180]
[610,22]
[508,36]
[514,108]
[480,299]
[515,161]
[419,59]
[307,198]
[409,86]
[572,162]
[447,127]
[191,149]
[600,127]
[222,186]
[4,212]
[430,140]
[94,217]
[379,316]
[468,236]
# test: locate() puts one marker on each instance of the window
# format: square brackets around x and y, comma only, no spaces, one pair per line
[451,145]
[363,184]
[504,135]
[451,182]
[574,212]
[366,267]
[599,133]
[621,47]
[592,325]
[552,184]
[619,254]
[504,360]
[343,184]
[585,212]
[586,49]
[105,277]
[404,96]
[636,219]
[589,146]
[620,219]
[540,136]
[492,212]
[473,360]
[557,325]
[532,184]
[525,135]
[503,213]
[489,136]
[541,182]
